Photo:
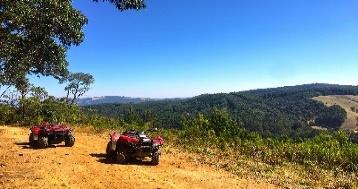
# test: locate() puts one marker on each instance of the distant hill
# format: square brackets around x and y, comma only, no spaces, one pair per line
[274,111]
[110,100]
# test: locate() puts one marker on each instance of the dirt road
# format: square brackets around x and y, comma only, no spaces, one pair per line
[83,166]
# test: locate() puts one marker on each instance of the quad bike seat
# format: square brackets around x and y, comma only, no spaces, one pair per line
[143,137]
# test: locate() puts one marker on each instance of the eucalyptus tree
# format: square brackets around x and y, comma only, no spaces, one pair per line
[77,85]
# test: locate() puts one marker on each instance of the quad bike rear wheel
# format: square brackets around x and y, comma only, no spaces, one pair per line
[70,141]
[155,158]
[42,142]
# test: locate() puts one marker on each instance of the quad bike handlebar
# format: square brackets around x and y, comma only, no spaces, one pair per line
[154,129]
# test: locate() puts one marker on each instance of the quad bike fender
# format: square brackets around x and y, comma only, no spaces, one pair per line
[158,141]
[114,136]
[36,133]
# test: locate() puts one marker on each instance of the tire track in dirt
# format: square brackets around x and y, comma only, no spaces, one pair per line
[83,166]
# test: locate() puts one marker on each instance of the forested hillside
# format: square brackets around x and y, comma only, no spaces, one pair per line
[276,111]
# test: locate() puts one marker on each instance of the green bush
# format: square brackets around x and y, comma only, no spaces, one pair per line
[7,114]
[329,149]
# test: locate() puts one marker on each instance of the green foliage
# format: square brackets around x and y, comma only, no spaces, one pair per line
[56,111]
[7,113]
[333,117]
[126,4]
[222,124]
[35,35]
[77,85]
[132,117]
[30,111]
[33,110]
[39,92]
[328,150]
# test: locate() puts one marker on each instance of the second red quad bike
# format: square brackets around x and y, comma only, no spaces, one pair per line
[43,135]
[133,145]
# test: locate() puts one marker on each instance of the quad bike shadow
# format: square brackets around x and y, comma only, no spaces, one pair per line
[26,145]
[102,158]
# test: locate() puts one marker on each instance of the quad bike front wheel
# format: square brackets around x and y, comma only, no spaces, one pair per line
[155,158]
[31,140]
[42,142]
[70,141]
[121,158]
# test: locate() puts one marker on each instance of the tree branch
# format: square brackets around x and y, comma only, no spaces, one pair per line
[2,94]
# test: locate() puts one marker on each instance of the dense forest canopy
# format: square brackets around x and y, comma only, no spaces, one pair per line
[276,111]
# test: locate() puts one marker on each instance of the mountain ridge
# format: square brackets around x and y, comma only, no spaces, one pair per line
[111,100]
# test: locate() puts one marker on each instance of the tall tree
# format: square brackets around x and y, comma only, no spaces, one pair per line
[35,35]
[39,93]
[23,86]
[77,85]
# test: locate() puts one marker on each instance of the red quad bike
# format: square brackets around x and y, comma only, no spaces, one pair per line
[43,135]
[133,145]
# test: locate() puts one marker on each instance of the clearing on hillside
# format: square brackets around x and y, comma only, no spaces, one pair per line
[348,103]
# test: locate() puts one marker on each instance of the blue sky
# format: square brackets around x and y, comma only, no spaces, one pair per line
[183,48]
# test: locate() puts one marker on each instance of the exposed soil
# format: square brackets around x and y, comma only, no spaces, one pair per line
[84,166]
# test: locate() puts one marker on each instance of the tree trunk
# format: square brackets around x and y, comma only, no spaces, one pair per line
[2,94]
[68,94]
